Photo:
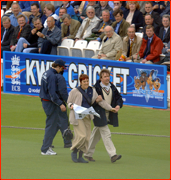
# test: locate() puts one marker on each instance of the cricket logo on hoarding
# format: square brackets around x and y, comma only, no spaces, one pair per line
[147,84]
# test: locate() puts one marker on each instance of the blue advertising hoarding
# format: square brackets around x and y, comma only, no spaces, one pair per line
[139,84]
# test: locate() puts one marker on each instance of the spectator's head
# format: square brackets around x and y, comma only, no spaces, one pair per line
[50,22]
[21,19]
[15,8]
[62,11]
[65,3]
[49,9]
[148,6]
[118,14]
[59,65]
[132,5]
[117,4]
[166,20]
[105,15]
[90,11]
[66,18]
[35,9]
[131,32]
[149,31]
[91,3]
[148,19]
[37,23]
[109,31]
[103,3]
[6,22]
[84,81]
[105,76]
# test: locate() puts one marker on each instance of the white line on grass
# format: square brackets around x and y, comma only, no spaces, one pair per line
[121,133]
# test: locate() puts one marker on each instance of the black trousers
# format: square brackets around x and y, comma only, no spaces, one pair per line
[46,47]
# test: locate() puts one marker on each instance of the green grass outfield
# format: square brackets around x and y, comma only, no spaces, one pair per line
[143,157]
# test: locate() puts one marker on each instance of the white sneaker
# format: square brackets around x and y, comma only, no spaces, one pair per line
[49,152]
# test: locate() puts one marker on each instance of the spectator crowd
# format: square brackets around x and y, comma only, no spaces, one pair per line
[132,31]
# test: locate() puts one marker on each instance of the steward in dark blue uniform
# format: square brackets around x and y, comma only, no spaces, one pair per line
[53,94]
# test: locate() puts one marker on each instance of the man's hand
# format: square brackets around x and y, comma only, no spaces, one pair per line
[13,48]
[72,107]
[33,31]
[40,34]
[39,50]
[99,98]
[116,109]
[25,45]
[144,61]
[82,17]
[64,38]
[63,108]
[101,30]
[103,55]
[99,56]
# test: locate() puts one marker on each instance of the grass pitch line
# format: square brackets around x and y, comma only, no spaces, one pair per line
[121,133]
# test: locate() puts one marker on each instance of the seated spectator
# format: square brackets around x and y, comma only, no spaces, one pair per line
[69,27]
[105,21]
[16,11]
[103,6]
[76,5]
[83,5]
[36,13]
[50,38]
[62,11]
[22,30]
[151,48]
[167,9]
[164,33]
[111,45]
[150,21]
[87,25]
[6,34]
[49,11]
[120,25]
[155,15]
[131,45]
[26,7]
[70,9]
[158,6]
[132,15]
[94,5]
[166,52]
[142,6]
[31,43]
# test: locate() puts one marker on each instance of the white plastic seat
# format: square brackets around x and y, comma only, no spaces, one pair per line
[77,50]
[2,12]
[64,48]
[90,50]
[139,34]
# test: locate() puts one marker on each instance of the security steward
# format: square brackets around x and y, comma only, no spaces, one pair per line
[53,94]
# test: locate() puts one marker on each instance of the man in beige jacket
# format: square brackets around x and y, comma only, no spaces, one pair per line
[111,45]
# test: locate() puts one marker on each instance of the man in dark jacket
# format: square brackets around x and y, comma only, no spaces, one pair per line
[54,97]
[6,34]
[108,92]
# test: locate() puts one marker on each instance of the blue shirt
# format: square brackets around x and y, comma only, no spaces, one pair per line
[26,5]
[14,21]
[70,11]
[117,27]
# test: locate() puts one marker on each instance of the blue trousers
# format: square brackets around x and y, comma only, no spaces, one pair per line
[55,120]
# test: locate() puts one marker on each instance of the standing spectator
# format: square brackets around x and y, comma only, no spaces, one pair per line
[50,38]
[70,9]
[84,96]
[155,15]
[16,11]
[151,48]
[88,24]
[6,34]
[131,44]
[31,43]
[49,11]
[133,15]
[22,30]
[62,11]
[69,27]
[111,45]
[164,33]
[54,95]
[110,94]
[35,13]
[26,7]
[150,21]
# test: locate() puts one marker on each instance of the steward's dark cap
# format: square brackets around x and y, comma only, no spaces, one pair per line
[60,62]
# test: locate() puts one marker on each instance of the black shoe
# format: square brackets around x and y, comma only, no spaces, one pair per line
[52,146]
[81,160]
[67,145]
[89,158]
[115,157]
[74,157]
